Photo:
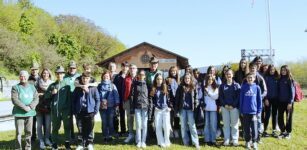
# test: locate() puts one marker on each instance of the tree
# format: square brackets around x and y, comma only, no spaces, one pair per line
[25,24]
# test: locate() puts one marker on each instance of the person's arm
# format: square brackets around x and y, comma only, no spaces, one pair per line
[35,100]
[116,95]
[241,98]
[221,95]
[264,92]
[292,92]
[131,99]
[237,96]
[16,101]
[259,101]
[177,99]
[97,99]
[196,102]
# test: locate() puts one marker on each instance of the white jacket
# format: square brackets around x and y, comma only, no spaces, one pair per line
[211,98]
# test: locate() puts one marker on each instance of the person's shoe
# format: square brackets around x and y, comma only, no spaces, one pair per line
[226,143]
[176,134]
[48,142]
[143,145]
[282,135]
[265,134]
[42,145]
[67,146]
[80,147]
[255,147]
[54,146]
[90,147]
[235,143]
[109,139]
[218,133]
[259,140]
[139,145]
[197,146]
[275,135]
[288,136]
[248,145]
[129,138]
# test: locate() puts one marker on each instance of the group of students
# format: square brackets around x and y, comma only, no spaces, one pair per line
[162,106]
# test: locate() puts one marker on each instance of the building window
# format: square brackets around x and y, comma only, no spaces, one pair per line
[145,58]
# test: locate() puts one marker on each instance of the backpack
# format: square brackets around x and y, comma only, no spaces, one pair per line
[298,97]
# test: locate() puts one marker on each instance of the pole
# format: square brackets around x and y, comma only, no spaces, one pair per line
[269,27]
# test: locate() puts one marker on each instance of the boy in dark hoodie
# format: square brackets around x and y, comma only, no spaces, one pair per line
[250,109]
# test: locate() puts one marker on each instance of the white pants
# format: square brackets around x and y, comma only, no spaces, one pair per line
[162,121]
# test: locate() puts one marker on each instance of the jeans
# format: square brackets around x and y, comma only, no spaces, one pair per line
[85,124]
[130,118]
[282,108]
[210,126]
[141,118]
[162,121]
[231,124]
[250,123]
[272,108]
[107,116]
[187,118]
[259,125]
[23,123]
[47,125]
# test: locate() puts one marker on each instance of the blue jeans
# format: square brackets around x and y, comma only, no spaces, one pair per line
[210,126]
[107,116]
[187,118]
[231,124]
[259,124]
[141,118]
[39,118]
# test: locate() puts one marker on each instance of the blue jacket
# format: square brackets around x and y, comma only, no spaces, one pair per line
[272,87]
[92,100]
[108,91]
[286,90]
[230,94]
[250,99]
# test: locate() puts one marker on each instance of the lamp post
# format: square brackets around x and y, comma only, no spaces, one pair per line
[305,30]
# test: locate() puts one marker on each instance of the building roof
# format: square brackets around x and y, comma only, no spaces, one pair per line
[182,62]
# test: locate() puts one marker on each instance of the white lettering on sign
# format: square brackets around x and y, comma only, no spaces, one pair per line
[167,61]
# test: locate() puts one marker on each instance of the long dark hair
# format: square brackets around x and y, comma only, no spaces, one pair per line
[289,74]
[177,77]
[223,74]
[213,85]
[267,73]
[209,68]
[155,85]
[242,73]
[188,87]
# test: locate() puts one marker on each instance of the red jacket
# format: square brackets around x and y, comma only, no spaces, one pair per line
[128,82]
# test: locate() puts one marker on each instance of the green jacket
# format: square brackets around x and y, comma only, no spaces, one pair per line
[24,96]
[70,80]
[60,101]
[150,76]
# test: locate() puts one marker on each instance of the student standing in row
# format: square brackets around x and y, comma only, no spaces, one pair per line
[242,72]
[140,105]
[186,102]
[109,104]
[173,80]
[86,102]
[198,82]
[43,109]
[211,95]
[130,79]
[286,93]
[229,95]
[161,104]
[271,101]
[24,99]
[250,109]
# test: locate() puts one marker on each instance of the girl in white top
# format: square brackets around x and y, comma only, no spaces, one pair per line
[211,95]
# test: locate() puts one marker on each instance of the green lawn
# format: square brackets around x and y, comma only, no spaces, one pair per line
[298,141]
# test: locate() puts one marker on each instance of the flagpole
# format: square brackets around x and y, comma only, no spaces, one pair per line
[269,27]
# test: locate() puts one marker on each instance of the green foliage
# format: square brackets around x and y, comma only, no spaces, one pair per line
[299,72]
[25,24]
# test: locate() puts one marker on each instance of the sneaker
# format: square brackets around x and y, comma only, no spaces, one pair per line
[109,139]
[259,140]
[55,147]
[265,134]
[255,146]
[48,142]
[90,147]
[288,136]
[199,132]
[176,134]
[226,143]
[248,145]
[218,133]
[282,135]
[129,138]
[235,143]
[139,145]
[143,145]
[197,146]
[80,147]
[275,135]
[67,146]
[42,145]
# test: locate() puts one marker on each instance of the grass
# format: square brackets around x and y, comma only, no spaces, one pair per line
[298,140]
[4,99]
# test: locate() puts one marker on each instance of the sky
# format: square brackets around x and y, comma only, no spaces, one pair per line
[207,32]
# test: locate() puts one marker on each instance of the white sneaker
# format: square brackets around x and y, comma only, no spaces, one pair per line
[255,146]
[226,143]
[235,143]
[90,147]
[139,145]
[42,145]
[129,138]
[143,145]
[218,133]
[248,145]
[48,142]
[176,134]
[80,147]
[54,148]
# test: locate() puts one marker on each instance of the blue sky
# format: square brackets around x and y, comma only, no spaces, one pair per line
[208,32]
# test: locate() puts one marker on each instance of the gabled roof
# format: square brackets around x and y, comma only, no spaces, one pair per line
[182,61]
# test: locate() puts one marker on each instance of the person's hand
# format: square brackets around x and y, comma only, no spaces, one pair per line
[230,107]
[266,102]
[258,116]
[40,94]
[28,109]
[54,91]
[169,109]
[86,90]
[117,108]
[289,107]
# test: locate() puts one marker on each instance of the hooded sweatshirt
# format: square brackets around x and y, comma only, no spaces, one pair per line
[250,99]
